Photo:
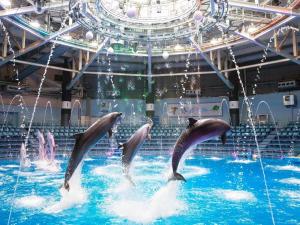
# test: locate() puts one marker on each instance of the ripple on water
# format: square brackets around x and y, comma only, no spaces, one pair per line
[291,180]
[242,161]
[294,195]
[286,168]
[235,195]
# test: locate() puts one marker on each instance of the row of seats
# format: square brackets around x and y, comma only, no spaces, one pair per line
[163,139]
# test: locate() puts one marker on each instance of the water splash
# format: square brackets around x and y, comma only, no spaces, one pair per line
[273,120]
[51,114]
[76,102]
[75,196]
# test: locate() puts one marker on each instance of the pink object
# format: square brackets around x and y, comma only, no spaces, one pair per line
[42,151]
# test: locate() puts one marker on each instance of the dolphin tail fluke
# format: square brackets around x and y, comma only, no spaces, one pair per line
[177,176]
[223,138]
[66,186]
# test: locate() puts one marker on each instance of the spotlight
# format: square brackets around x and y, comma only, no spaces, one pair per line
[214,41]
[251,28]
[89,35]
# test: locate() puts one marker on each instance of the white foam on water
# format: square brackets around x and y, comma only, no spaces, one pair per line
[89,159]
[31,201]
[235,195]
[295,195]
[3,169]
[194,171]
[11,166]
[47,166]
[163,203]
[291,180]
[286,168]
[214,158]
[112,170]
[75,196]
[242,161]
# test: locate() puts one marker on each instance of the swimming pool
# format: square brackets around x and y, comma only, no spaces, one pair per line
[218,191]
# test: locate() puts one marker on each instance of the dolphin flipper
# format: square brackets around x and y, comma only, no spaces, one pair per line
[177,176]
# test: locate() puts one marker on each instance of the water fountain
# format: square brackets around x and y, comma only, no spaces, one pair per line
[45,114]
[273,121]
[79,112]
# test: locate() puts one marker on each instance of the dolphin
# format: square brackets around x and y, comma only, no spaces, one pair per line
[130,148]
[86,140]
[197,132]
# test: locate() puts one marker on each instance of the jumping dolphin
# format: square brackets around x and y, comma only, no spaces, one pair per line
[196,132]
[132,145]
[86,140]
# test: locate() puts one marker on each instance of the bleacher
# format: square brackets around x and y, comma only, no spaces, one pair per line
[241,139]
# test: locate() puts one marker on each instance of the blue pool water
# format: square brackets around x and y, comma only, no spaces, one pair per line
[218,191]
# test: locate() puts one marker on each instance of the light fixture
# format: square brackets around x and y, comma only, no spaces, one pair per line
[198,16]
[94,44]
[35,24]
[214,41]
[165,55]
[178,47]
[89,35]
[251,28]
[110,50]
[131,12]
[68,37]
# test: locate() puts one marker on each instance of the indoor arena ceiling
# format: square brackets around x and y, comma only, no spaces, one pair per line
[133,30]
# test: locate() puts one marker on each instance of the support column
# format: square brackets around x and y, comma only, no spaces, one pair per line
[234,100]
[66,97]
[150,96]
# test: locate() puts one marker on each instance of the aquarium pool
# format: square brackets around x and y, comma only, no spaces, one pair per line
[218,191]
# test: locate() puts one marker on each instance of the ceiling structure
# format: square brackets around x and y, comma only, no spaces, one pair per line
[160,33]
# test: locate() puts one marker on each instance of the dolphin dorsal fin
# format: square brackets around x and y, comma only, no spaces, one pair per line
[192,121]
[77,136]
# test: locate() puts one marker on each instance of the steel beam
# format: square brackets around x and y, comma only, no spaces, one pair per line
[149,72]
[84,68]
[38,44]
[265,8]
[213,66]
[60,50]
[30,9]
[262,45]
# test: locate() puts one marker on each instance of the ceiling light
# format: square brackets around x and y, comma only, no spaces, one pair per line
[214,41]
[89,35]
[110,50]
[35,24]
[68,37]
[198,16]
[131,12]
[251,28]
[178,47]
[165,55]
